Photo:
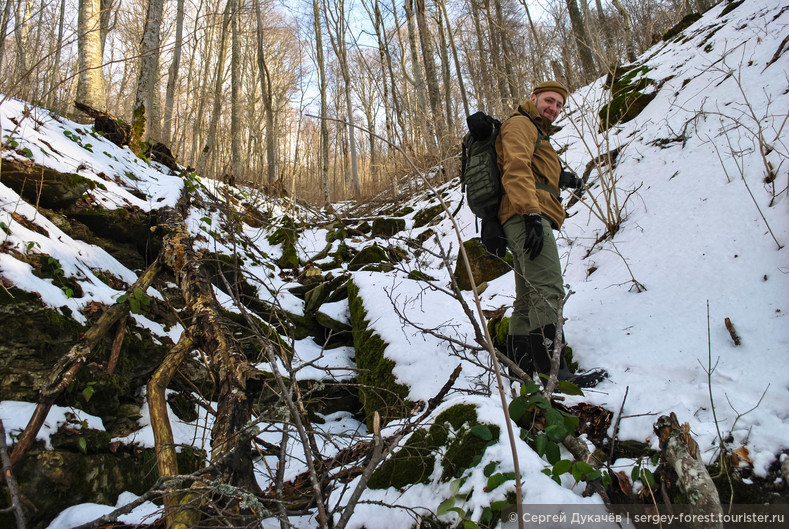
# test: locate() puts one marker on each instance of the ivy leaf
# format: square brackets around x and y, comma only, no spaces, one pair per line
[568,388]
[540,444]
[482,431]
[552,453]
[88,392]
[445,506]
[518,407]
[83,445]
[556,432]
[562,467]
[489,468]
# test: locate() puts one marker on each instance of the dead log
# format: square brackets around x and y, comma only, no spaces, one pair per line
[235,375]
[681,452]
[66,369]
[108,125]
[164,442]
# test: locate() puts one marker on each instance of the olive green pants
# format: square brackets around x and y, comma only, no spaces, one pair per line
[539,287]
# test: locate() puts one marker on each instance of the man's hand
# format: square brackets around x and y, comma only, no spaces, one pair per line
[534,235]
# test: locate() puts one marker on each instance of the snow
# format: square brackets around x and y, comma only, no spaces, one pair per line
[701,232]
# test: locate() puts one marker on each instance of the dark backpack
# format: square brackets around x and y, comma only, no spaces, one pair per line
[480,178]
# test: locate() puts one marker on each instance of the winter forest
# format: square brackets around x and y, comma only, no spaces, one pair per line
[313,96]
[241,285]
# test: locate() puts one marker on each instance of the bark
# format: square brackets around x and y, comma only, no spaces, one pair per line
[418,76]
[172,76]
[582,41]
[505,53]
[455,58]
[8,477]
[54,81]
[503,103]
[66,369]
[4,29]
[268,101]
[146,114]
[537,43]
[160,423]
[90,80]
[106,16]
[681,452]
[608,36]
[431,76]
[236,80]
[324,145]
[628,25]
[210,141]
[446,76]
[235,377]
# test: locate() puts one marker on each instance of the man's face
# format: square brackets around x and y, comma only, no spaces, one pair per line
[549,104]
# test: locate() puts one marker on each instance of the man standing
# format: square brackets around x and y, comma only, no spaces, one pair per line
[530,209]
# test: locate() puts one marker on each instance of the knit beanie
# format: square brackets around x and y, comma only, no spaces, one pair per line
[551,86]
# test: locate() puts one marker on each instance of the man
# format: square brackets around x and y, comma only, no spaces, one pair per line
[530,209]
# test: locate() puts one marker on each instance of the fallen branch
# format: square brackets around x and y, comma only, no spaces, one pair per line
[681,452]
[8,475]
[68,366]
[732,331]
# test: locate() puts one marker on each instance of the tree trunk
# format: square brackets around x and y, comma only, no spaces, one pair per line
[418,77]
[172,75]
[146,114]
[431,76]
[54,80]
[236,80]
[536,64]
[582,41]
[458,69]
[324,143]
[483,95]
[106,16]
[631,49]
[446,76]
[90,80]
[208,149]
[681,452]
[268,102]
[235,377]
[4,29]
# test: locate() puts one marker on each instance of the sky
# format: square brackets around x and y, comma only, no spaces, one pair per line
[702,236]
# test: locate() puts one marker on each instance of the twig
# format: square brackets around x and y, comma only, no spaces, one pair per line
[732,331]
[8,475]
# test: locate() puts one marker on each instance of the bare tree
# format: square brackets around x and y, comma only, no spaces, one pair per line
[146,122]
[172,74]
[90,83]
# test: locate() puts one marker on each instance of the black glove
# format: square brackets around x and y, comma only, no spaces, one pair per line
[570,179]
[534,235]
[493,238]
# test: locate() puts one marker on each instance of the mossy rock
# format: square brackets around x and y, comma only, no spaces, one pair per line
[44,186]
[456,432]
[286,235]
[731,6]
[418,275]
[387,227]
[424,217]
[627,85]
[402,212]
[379,390]
[484,267]
[372,254]
[26,358]
[498,329]
[687,21]
[128,230]
[71,477]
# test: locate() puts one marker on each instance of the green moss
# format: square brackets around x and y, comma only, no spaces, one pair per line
[455,433]
[731,6]
[378,388]
[286,235]
[498,329]
[387,227]
[681,26]
[368,255]
[417,275]
[484,267]
[426,215]
[627,85]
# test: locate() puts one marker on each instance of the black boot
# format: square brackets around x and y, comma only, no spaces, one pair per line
[519,351]
[542,349]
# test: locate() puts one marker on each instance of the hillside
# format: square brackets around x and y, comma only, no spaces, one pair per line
[683,228]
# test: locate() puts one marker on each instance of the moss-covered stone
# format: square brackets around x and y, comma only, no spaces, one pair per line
[44,186]
[628,98]
[456,433]
[378,387]
[484,267]
[423,217]
[681,26]
[387,227]
[418,275]
[26,358]
[286,235]
[372,254]
[71,477]
[498,329]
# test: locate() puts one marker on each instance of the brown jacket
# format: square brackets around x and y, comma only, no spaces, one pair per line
[522,167]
